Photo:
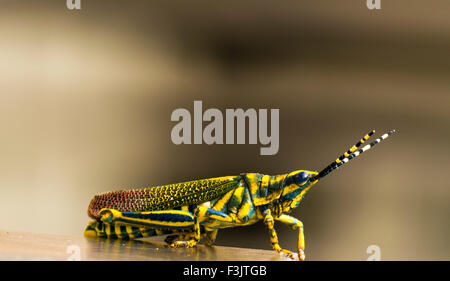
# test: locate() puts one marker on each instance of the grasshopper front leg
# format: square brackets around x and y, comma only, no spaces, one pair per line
[296,225]
[269,221]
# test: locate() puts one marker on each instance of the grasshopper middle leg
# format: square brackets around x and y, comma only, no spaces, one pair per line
[202,214]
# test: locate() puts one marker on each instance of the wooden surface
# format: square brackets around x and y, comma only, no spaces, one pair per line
[30,246]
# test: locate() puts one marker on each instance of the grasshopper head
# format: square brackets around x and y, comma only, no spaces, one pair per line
[295,186]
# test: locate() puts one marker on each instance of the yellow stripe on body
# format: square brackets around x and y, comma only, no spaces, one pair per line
[266,200]
[265,180]
[290,188]
[144,232]
[222,201]
[244,210]
[298,198]
[266,183]
[253,184]
[239,193]
[255,192]
[130,232]
[277,179]
[155,223]
[108,229]
[118,231]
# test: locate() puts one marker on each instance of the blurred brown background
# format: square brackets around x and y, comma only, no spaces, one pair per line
[86,98]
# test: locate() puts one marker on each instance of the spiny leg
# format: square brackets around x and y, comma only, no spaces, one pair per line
[168,219]
[123,225]
[111,230]
[202,214]
[100,229]
[269,221]
[296,225]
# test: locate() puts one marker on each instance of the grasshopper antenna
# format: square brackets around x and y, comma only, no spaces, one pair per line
[352,153]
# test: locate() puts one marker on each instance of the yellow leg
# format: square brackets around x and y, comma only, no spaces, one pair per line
[198,215]
[269,221]
[202,214]
[149,219]
[296,225]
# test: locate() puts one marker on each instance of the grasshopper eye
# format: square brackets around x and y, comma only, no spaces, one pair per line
[301,177]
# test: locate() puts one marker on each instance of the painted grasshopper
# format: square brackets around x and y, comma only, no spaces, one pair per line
[189,211]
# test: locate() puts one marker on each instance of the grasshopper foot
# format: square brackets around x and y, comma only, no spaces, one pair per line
[301,255]
[290,254]
[183,244]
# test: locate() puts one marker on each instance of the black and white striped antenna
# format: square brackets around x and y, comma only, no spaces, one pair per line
[351,153]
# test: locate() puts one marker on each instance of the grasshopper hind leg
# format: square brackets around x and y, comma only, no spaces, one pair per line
[118,231]
[101,229]
[95,229]
[129,225]
[184,224]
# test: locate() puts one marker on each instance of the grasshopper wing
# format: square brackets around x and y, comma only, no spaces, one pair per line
[163,197]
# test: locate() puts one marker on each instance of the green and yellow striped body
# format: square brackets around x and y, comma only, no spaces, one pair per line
[221,202]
